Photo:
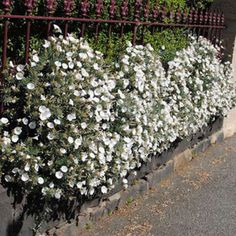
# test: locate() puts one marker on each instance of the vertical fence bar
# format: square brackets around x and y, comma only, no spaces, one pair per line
[123,12]
[84,13]
[210,26]
[137,11]
[214,22]
[201,18]
[206,19]
[98,11]
[195,22]
[155,14]
[185,17]
[51,7]
[146,18]
[29,8]
[112,11]
[178,16]
[6,9]
[163,15]
[219,30]
[222,23]
[68,7]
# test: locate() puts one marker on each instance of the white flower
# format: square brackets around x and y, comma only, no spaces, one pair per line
[17,130]
[57,121]
[30,86]
[45,113]
[104,189]
[57,29]
[4,120]
[46,44]
[50,136]
[57,64]
[95,66]
[79,185]
[83,55]
[59,174]
[51,185]
[64,66]
[40,180]
[32,125]
[35,58]
[14,138]
[20,68]
[25,121]
[7,178]
[83,125]
[70,140]
[84,72]
[50,125]
[64,169]
[78,142]
[27,167]
[25,177]
[71,117]
[71,102]
[58,194]
[19,76]
[63,150]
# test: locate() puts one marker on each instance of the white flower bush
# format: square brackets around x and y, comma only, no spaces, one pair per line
[73,126]
[203,86]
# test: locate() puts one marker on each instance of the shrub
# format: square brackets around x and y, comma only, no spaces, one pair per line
[73,126]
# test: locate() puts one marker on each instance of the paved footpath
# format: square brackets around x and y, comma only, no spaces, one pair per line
[199,200]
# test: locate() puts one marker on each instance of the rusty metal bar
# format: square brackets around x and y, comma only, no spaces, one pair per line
[29,8]
[124,13]
[137,12]
[108,21]
[68,7]
[98,11]
[6,9]
[50,7]
[84,12]
[112,11]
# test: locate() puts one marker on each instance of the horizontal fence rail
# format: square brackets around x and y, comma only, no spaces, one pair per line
[93,17]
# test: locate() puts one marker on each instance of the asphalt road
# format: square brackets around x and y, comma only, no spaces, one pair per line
[199,200]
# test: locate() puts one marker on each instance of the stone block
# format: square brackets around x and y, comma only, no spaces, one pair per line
[217,137]
[160,174]
[89,204]
[98,212]
[112,202]
[201,146]
[182,159]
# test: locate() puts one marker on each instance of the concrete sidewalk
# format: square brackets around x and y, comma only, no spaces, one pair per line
[199,200]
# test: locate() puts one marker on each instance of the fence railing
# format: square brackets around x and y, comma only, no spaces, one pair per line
[120,17]
[139,15]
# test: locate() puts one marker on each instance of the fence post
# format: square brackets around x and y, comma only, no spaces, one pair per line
[123,12]
[137,11]
[98,10]
[155,14]
[112,12]
[68,7]
[146,18]
[29,8]
[6,8]
[84,12]
[51,7]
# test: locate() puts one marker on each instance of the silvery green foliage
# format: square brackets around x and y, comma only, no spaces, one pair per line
[75,127]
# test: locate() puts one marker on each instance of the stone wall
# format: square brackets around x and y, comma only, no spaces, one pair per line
[229,37]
